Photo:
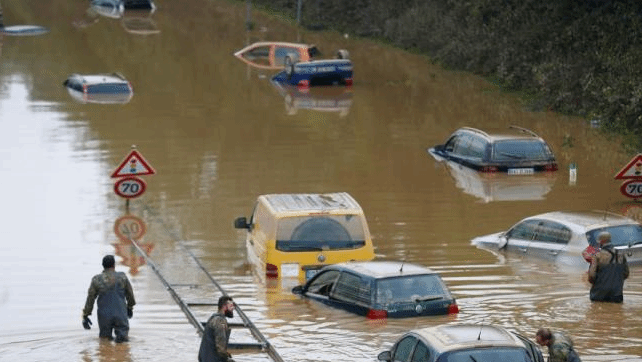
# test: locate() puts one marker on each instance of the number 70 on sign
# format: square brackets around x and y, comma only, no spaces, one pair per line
[130,187]
[632,189]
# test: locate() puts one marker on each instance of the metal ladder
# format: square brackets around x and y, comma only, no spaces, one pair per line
[261,344]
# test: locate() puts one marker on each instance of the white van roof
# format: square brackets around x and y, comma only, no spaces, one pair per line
[340,202]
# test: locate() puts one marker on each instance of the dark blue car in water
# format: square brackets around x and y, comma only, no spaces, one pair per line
[381,289]
[317,72]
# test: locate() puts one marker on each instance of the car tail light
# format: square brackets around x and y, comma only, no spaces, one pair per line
[453,308]
[304,83]
[84,88]
[551,167]
[348,81]
[130,87]
[377,314]
[489,169]
[271,270]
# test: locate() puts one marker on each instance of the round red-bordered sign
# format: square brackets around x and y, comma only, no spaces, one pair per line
[129,227]
[130,187]
[632,188]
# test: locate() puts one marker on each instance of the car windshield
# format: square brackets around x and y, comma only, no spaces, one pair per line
[621,235]
[316,233]
[412,288]
[520,150]
[104,88]
[490,354]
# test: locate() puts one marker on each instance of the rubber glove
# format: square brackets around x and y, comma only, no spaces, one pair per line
[86,322]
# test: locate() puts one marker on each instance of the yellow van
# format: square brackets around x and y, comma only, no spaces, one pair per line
[294,235]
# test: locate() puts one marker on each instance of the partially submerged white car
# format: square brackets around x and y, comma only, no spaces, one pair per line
[567,237]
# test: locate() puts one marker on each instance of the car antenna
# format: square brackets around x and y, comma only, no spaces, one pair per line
[480,330]
[401,267]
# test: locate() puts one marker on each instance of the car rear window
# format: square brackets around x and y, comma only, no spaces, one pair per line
[108,88]
[409,288]
[519,150]
[316,233]
[621,235]
[489,354]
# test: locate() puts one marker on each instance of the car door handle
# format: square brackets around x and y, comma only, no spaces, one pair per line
[553,252]
[523,250]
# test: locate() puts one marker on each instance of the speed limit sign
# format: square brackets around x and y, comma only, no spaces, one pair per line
[632,188]
[130,187]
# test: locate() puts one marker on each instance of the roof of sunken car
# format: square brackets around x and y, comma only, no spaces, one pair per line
[384,269]
[449,337]
[586,219]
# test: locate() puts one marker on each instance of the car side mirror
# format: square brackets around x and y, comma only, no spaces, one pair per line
[384,356]
[298,289]
[241,223]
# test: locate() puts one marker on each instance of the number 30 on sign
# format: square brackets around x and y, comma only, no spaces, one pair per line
[130,187]
[632,188]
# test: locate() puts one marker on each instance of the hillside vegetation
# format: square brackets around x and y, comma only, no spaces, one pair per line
[579,57]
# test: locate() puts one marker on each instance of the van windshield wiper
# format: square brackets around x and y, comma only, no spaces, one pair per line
[473,358]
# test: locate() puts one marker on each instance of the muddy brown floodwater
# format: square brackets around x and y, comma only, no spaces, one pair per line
[219,134]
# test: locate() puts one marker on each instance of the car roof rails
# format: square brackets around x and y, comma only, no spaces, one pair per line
[476,131]
[525,130]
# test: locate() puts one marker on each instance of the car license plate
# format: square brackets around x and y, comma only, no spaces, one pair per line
[290,270]
[520,171]
[310,273]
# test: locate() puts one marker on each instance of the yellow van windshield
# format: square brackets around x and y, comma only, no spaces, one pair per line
[315,233]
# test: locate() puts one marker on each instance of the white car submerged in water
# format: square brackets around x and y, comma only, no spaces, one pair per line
[567,237]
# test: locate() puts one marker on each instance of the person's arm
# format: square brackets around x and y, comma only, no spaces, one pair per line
[220,339]
[129,294]
[92,294]
[592,273]
[626,267]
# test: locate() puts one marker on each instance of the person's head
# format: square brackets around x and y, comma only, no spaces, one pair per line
[226,306]
[543,336]
[604,237]
[109,261]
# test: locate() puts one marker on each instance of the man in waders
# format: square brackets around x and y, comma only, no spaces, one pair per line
[115,302]
[560,346]
[217,333]
[607,272]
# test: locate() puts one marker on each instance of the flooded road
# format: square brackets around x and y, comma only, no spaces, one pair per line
[219,134]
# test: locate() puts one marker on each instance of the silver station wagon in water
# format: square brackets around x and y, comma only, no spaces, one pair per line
[567,237]
[462,343]
[515,151]
[381,289]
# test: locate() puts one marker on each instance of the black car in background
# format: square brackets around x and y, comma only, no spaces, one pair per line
[380,289]
[516,151]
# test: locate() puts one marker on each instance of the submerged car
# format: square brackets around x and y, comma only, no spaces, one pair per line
[380,289]
[516,151]
[294,235]
[271,55]
[567,237]
[308,73]
[99,88]
[462,343]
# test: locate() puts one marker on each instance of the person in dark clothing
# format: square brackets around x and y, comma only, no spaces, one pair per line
[217,333]
[607,272]
[115,302]
[560,346]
